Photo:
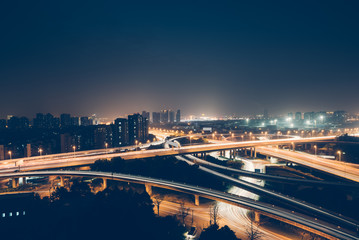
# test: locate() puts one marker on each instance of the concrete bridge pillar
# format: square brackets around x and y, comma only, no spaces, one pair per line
[196,200]
[251,152]
[62,181]
[15,182]
[293,147]
[245,152]
[104,183]
[267,157]
[255,153]
[257,217]
[148,189]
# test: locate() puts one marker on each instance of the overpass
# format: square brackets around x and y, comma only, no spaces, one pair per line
[342,170]
[273,178]
[319,227]
[284,198]
[88,157]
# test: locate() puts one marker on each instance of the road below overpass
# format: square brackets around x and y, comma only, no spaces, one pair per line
[316,210]
[305,222]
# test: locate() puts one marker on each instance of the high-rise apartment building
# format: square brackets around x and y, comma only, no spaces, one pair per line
[120,134]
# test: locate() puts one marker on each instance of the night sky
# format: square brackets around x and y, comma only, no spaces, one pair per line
[214,57]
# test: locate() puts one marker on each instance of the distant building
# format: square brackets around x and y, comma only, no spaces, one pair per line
[85,121]
[309,116]
[340,116]
[164,116]
[102,136]
[265,114]
[146,115]
[298,116]
[156,117]
[120,132]
[65,120]
[171,115]
[178,116]
[290,115]
[75,121]
[137,128]
[18,123]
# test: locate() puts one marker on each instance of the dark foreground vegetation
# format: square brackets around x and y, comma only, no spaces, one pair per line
[81,214]
[168,168]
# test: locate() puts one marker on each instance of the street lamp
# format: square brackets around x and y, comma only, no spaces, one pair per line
[40,151]
[315,150]
[74,148]
[10,154]
[190,140]
[340,155]
[106,145]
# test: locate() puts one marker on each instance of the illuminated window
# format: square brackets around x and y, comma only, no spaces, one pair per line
[3,214]
[23,213]
[10,214]
[17,213]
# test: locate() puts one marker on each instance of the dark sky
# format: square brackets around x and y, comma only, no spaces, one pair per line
[214,57]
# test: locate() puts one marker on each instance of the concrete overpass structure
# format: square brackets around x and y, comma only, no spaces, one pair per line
[88,157]
[316,210]
[316,226]
[340,169]
[273,178]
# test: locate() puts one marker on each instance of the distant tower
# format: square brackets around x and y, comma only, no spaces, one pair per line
[178,116]
[265,114]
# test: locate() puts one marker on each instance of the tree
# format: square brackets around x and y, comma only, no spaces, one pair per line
[157,200]
[214,214]
[252,230]
[213,232]
[183,212]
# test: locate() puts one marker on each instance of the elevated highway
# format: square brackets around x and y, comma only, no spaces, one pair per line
[343,170]
[88,157]
[273,178]
[319,227]
[318,211]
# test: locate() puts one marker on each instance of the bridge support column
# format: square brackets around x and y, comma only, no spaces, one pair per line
[148,189]
[196,200]
[104,183]
[255,153]
[251,152]
[267,157]
[62,181]
[257,217]
[15,182]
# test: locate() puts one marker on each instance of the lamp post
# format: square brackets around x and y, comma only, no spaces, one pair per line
[40,151]
[315,150]
[10,154]
[106,145]
[190,140]
[340,155]
[74,148]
